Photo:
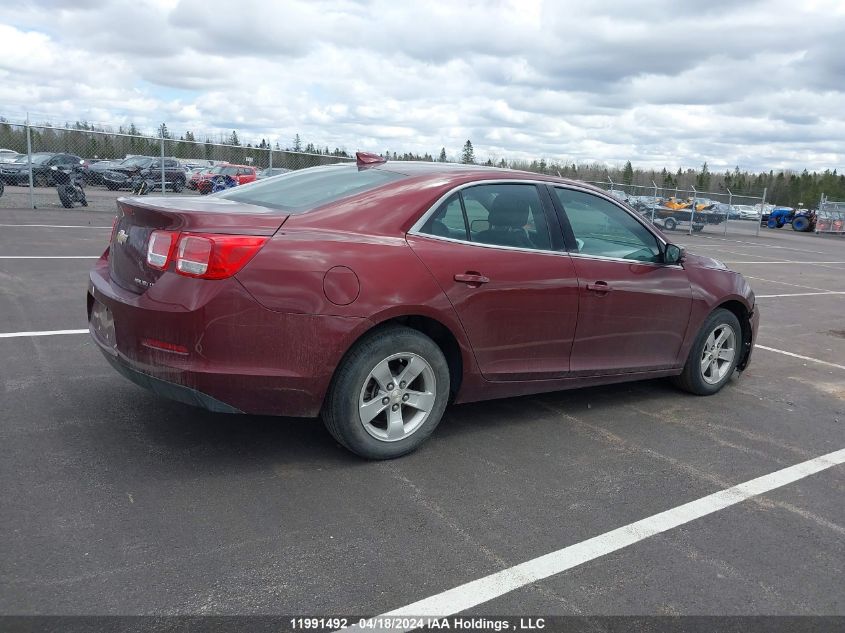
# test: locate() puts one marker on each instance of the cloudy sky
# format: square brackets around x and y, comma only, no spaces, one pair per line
[662,83]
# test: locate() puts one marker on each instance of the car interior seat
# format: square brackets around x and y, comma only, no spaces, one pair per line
[508,217]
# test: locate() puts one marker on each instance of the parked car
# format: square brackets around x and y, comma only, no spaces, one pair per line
[17,173]
[747,212]
[395,288]
[190,183]
[95,171]
[8,155]
[271,171]
[241,174]
[123,176]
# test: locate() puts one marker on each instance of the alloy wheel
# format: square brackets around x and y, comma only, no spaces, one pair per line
[718,354]
[397,397]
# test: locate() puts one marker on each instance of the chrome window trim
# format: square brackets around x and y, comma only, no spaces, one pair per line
[622,260]
[520,249]
[417,226]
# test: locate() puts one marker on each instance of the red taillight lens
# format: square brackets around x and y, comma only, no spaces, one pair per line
[164,346]
[160,248]
[215,256]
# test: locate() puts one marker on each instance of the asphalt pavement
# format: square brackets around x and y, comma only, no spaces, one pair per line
[117,502]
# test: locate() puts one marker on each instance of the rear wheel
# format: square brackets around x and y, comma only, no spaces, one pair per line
[66,195]
[714,354]
[669,224]
[178,185]
[389,393]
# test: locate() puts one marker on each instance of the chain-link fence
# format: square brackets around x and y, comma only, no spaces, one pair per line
[121,162]
[830,217]
[693,211]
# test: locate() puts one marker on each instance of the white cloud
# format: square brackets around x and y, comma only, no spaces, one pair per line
[662,83]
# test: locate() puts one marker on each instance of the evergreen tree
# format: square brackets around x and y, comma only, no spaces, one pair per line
[628,174]
[468,154]
[297,143]
[702,181]
[442,157]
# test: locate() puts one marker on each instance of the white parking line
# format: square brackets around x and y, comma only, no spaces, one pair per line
[801,294]
[786,283]
[44,333]
[49,257]
[485,589]
[786,261]
[60,226]
[758,245]
[809,358]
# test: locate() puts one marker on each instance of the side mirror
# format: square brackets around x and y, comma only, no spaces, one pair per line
[673,254]
[54,168]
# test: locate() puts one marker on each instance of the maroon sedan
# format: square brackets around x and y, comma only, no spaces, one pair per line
[372,294]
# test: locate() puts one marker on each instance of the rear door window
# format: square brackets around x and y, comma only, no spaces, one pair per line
[495,214]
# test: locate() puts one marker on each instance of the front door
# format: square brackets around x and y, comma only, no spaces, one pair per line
[633,309]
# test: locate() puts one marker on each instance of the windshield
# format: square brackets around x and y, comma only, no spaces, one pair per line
[39,159]
[299,191]
[136,161]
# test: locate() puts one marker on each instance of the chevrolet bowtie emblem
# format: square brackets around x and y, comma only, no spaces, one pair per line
[122,236]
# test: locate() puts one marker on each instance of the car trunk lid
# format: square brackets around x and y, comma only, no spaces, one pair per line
[138,217]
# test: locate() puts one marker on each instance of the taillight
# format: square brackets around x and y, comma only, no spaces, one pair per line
[194,255]
[160,248]
[215,256]
[206,256]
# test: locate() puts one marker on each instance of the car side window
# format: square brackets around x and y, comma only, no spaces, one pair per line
[448,220]
[601,228]
[506,215]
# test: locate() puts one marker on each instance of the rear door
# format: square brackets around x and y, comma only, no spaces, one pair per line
[505,272]
[633,309]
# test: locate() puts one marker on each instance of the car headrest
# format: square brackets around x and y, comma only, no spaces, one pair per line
[509,210]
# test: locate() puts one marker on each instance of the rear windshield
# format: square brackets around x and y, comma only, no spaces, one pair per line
[299,191]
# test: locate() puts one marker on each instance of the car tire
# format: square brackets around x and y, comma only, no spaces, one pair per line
[700,375]
[66,196]
[801,223]
[372,416]
[669,224]
[111,187]
[178,185]
[698,228]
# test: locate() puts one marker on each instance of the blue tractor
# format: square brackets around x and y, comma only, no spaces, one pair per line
[802,220]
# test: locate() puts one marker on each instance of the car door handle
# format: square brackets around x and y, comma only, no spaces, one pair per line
[471,278]
[600,286]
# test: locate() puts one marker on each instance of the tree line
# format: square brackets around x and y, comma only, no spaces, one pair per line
[784,187]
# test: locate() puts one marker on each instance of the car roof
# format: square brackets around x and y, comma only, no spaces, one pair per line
[468,173]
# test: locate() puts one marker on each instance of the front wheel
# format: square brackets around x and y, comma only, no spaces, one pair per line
[669,224]
[714,354]
[388,394]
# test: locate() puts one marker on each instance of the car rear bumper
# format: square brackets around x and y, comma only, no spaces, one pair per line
[239,356]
